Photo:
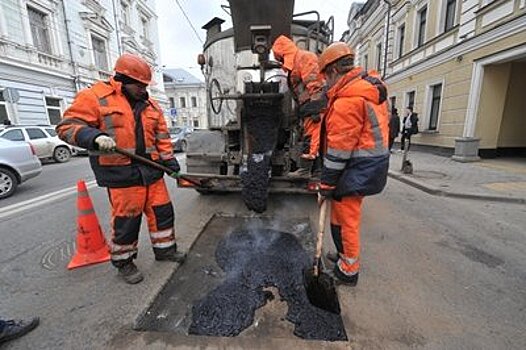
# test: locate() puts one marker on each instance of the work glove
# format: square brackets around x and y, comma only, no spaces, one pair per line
[325,192]
[173,165]
[105,143]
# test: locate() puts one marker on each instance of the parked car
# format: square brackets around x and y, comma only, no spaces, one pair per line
[178,137]
[18,163]
[43,138]
[76,150]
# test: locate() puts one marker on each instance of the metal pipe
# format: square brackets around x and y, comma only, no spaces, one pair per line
[117,26]
[389,6]
[70,49]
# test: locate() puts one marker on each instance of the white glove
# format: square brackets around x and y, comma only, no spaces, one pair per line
[105,143]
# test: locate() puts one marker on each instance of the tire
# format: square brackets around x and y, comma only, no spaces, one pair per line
[8,183]
[61,154]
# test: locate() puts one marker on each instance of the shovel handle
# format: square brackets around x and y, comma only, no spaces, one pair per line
[155,165]
[319,240]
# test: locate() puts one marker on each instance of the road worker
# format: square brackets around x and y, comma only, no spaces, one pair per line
[119,113]
[306,85]
[356,155]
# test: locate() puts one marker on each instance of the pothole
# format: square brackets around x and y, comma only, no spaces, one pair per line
[243,279]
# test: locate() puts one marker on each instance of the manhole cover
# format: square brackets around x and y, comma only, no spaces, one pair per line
[244,276]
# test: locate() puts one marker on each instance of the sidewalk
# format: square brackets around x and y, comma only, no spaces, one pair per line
[489,179]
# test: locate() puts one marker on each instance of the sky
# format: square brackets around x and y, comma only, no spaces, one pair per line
[180,46]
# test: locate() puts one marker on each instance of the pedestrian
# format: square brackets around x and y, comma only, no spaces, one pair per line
[410,127]
[394,127]
[13,329]
[306,85]
[119,113]
[356,155]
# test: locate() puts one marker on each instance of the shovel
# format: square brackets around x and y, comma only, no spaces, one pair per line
[318,284]
[153,164]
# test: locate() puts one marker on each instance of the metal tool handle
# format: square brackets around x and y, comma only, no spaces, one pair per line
[319,240]
[156,165]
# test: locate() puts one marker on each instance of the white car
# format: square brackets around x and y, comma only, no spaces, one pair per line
[44,139]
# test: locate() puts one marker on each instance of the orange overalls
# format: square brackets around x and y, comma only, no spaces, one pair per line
[133,188]
[356,158]
[305,82]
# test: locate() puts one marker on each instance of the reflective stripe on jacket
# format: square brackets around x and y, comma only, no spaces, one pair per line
[356,158]
[103,109]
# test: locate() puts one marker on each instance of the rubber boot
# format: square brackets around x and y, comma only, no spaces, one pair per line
[332,256]
[343,279]
[16,328]
[169,254]
[130,274]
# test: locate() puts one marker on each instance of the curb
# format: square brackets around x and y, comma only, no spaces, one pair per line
[443,193]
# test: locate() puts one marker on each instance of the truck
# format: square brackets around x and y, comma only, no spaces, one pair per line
[254,139]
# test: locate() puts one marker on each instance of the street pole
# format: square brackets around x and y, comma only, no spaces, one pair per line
[389,6]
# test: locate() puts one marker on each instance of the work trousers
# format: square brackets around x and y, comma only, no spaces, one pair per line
[127,206]
[345,229]
[312,133]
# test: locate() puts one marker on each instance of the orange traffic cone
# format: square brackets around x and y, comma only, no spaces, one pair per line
[91,244]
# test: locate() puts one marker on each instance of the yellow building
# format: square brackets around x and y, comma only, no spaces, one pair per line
[460,63]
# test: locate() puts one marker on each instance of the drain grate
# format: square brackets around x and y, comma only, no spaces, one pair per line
[236,274]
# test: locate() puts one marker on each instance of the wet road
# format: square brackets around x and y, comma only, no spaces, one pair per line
[437,274]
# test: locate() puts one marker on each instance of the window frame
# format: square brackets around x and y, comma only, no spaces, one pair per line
[104,42]
[182,101]
[431,99]
[379,48]
[14,130]
[445,27]
[57,108]
[145,29]
[407,99]
[46,29]
[193,101]
[400,39]
[366,62]
[4,103]
[126,13]
[172,102]
[420,38]
[44,134]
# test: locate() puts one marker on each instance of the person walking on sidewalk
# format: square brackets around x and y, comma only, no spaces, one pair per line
[410,127]
[119,113]
[13,329]
[394,127]
[306,85]
[356,155]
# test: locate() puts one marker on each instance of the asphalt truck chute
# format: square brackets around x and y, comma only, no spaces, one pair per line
[253,142]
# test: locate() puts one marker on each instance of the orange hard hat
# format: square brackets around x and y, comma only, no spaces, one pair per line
[134,67]
[333,53]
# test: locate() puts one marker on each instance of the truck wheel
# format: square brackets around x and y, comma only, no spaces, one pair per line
[61,154]
[8,183]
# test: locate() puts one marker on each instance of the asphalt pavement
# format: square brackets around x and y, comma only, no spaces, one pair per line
[437,273]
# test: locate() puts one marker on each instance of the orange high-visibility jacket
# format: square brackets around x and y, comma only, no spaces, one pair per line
[356,156]
[305,80]
[104,109]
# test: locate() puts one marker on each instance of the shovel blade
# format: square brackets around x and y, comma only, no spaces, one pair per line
[321,291]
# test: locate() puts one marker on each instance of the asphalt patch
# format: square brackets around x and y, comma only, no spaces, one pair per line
[254,260]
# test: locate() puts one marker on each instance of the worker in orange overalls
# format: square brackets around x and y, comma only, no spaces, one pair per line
[119,113]
[356,155]
[306,85]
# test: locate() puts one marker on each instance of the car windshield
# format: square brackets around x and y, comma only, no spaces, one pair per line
[175,131]
[51,132]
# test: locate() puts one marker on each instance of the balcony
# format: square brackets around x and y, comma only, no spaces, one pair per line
[49,60]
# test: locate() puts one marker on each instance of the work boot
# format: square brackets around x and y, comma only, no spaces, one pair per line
[130,274]
[16,328]
[343,279]
[169,254]
[332,256]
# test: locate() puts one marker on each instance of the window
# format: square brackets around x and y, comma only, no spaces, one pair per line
[99,53]
[422,18]
[51,132]
[194,101]
[401,38]
[145,27]
[35,134]
[365,62]
[54,112]
[125,13]
[39,30]
[3,108]
[379,57]
[182,102]
[451,6]
[435,106]
[392,100]
[14,135]
[196,123]
[410,97]
[172,102]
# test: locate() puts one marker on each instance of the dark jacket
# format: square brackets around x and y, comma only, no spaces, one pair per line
[414,124]
[394,126]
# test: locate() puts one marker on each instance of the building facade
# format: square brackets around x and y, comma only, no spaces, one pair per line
[461,64]
[186,97]
[51,49]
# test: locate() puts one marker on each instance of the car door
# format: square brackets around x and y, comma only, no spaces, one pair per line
[42,143]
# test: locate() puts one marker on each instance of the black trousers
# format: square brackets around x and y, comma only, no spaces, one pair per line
[405,136]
